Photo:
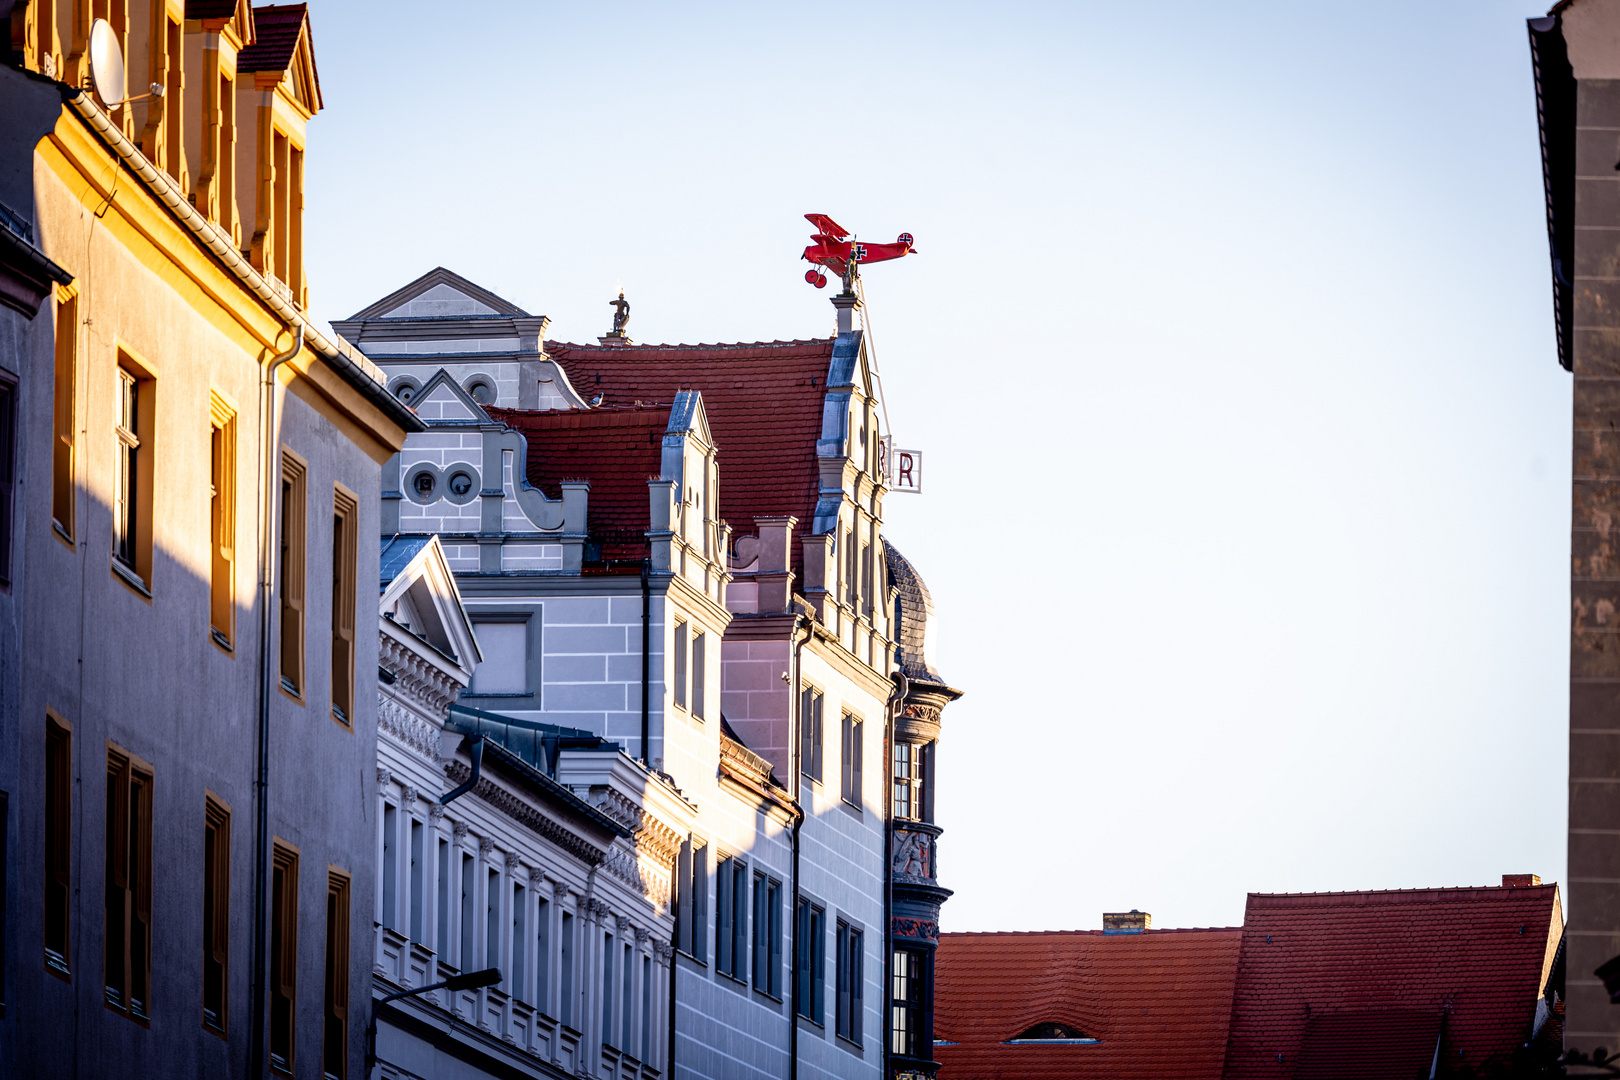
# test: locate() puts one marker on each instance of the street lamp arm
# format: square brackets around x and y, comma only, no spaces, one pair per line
[472,980]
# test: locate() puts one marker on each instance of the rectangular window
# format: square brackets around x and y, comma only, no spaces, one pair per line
[388,886]
[925,781]
[542,956]
[810,944]
[518,981]
[854,741]
[646,1008]
[127,941]
[133,474]
[8,469]
[767,936]
[441,941]
[905,1019]
[810,705]
[222,521]
[866,578]
[851,594]
[216,912]
[492,923]
[607,990]
[627,985]
[62,443]
[505,668]
[58,843]
[565,970]
[699,683]
[680,664]
[693,912]
[731,917]
[905,800]
[293,538]
[345,554]
[335,1037]
[849,963]
[469,925]
[418,869]
[283,957]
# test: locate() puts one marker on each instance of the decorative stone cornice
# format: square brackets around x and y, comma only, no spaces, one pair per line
[416,679]
[406,728]
[524,814]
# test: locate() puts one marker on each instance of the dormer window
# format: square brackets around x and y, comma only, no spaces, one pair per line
[1050,1032]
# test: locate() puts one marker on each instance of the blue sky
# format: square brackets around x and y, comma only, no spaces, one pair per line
[1229,348]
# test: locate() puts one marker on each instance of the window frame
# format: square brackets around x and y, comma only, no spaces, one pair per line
[64,434]
[853,750]
[216,910]
[345,582]
[127,841]
[908,995]
[767,935]
[692,899]
[283,955]
[293,545]
[58,845]
[533,620]
[679,647]
[849,975]
[700,649]
[810,945]
[134,471]
[222,522]
[731,907]
[335,1003]
[812,708]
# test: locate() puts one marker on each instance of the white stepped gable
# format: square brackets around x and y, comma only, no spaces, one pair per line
[438,302]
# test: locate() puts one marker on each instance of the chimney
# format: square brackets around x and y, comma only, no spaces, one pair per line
[1126,922]
[1511,881]
[775,571]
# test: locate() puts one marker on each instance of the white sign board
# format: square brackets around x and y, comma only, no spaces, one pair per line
[905,471]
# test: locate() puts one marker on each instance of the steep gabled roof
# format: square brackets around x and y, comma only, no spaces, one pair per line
[1316,968]
[617,450]
[763,401]
[1156,1001]
[284,44]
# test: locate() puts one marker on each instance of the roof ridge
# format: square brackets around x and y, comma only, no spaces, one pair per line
[1453,889]
[641,346]
[1091,933]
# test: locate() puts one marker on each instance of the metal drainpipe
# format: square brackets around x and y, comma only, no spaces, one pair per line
[646,656]
[896,701]
[261,845]
[796,756]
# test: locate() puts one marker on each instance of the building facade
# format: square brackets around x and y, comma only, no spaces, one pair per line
[189,469]
[1576,62]
[730,628]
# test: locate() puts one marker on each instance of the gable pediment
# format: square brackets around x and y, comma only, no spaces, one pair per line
[439,293]
[443,401]
[422,599]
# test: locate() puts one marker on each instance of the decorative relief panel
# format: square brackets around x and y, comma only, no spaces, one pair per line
[916,929]
[912,857]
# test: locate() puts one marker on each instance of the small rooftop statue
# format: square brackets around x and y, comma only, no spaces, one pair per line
[621,315]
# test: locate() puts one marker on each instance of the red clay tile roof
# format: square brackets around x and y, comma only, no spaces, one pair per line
[1157,1000]
[763,401]
[617,450]
[1311,962]
[275,37]
[1380,1044]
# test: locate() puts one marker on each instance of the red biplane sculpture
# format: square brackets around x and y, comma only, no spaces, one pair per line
[833,247]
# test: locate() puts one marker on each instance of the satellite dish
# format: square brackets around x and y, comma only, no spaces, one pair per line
[106,63]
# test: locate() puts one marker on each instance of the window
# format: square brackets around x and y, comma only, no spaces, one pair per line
[58,843]
[627,983]
[127,941]
[517,981]
[216,912]
[699,684]
[849,964]
[335,1036]
[680,664]
[492,922]
[345,526]
[67,338]
[1052,1032]
[731,917]
[767,936]
[866,578]
[905,783]
[905,1010]
[8,466]
[283,956]
[222,520]
[542,956]
[566,970]
[646,1008]
[388,886]
[607,990]
[854,731]
[293,535]
[441,941]
[850,593]
[691,899]
[810,944]
[810,702]
[418,868]
[505,667]
[132,476]
[469,925]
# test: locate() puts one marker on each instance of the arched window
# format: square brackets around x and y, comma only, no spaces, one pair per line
[481,389]
[1051,1031]
[405,388]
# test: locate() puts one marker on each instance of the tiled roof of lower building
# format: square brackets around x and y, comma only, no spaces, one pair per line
[1318,968]
[1156,1002]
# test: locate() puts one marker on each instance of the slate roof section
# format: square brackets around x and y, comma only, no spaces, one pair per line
[275,37]
[913,611]
[397,553]
[617,450]
[1314,965]
[1158,1002]
[763,401]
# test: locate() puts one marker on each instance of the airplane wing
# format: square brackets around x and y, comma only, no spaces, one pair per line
[827,225]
